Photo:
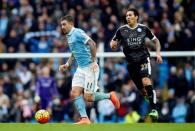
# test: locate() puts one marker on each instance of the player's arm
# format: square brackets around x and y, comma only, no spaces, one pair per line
[115,40]
[158,48]
[88,41]
[92,45]
[93,49]
[70,60]
[37,92]
[157,45]
[156,42]
[66,66]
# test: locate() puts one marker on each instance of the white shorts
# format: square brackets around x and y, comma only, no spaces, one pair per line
[86,78]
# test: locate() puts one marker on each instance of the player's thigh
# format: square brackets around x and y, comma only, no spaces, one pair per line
[91,80]
[145,68]
[134,72]
[78,83]
[135,75]
[76,91]
[145,72]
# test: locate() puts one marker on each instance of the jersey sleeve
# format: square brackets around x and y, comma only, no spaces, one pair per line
[37,88]
[117,36]
[149,34]
[82,36]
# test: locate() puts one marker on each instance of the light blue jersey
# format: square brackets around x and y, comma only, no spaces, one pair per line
[77,40]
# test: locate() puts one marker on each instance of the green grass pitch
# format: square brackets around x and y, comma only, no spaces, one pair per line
[96,127]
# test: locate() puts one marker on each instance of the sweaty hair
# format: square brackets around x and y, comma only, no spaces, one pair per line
[68,18]
[135,11]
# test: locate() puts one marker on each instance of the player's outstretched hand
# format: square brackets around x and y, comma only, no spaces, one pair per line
[159,59]
[64,67]
[94,67]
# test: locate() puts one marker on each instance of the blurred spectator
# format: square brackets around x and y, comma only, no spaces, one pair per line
[188,75]
[181,88]
[129,100]
[163,73]
[165,113]
[46,89]
[191,111]
[25,7]
[40,46]
[13,41]
[3,22]
[172,81]
[106,111]
[4,105]
[180,111]
[25,76]
[25,106]
[2,46]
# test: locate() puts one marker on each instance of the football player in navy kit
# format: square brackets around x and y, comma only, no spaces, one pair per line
[132,39]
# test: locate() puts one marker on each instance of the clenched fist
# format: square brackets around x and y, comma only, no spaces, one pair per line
[64,67]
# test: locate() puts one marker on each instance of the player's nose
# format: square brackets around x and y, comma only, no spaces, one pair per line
[128,18]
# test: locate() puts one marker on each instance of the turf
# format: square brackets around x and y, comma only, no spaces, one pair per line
[96,127]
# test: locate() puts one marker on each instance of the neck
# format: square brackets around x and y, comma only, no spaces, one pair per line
[132,25]
[70,28]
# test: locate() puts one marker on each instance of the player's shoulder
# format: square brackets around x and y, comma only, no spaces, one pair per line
[142,25]
[123,27]
[78,30]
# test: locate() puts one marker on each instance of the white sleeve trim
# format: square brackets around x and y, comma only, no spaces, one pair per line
[87,38]
[154,38]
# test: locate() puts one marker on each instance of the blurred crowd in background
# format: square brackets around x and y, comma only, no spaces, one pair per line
[33,26]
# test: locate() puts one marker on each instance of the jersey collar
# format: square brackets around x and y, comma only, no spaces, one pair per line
[131,27]
[73,28]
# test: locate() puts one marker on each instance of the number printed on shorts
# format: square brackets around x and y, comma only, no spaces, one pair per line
[90,87]
[144,66]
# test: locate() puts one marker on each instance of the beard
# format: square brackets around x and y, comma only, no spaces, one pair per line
[63,32]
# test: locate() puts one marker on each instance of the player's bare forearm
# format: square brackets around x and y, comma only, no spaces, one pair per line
[70,60]
[93,49]
[66,66]
[158,46]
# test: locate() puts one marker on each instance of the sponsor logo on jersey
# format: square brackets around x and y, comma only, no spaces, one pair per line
[139,30]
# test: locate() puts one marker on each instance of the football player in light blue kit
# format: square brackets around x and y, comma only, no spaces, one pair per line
[84,83]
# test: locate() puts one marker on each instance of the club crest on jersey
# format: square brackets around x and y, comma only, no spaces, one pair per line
[139,29]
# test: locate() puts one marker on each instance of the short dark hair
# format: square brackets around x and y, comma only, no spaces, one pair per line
[135,11]
[68,18]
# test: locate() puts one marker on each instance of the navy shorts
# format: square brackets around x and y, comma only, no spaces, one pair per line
[138,70]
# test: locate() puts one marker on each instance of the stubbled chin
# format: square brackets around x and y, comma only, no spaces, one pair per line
[64,32]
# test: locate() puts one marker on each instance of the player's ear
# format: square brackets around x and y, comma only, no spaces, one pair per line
[137,17]
[71,23]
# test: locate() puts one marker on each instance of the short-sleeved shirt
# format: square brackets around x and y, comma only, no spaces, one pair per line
[77,41]
[133,41]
